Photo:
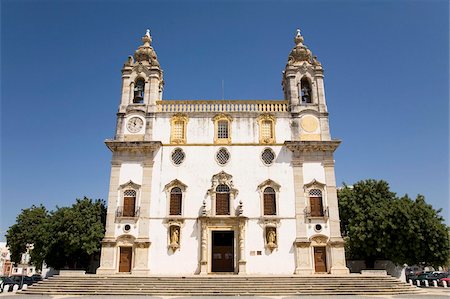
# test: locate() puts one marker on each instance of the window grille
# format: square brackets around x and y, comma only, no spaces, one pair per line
[178,156]
[129,193]
[175,201]
[223,189]
[222,129]
[268,156]
[266,129]
[315,193]
[178,131]
[222,156]
[270,207]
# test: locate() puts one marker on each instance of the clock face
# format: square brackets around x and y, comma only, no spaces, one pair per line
[134,125]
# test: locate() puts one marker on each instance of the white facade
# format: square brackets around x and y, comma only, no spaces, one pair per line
[201,187]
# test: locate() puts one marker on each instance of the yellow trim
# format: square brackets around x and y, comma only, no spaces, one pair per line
[262,118]
[178,118]
[310,137]
[216,119]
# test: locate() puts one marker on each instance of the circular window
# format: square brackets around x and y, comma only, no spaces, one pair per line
[127,227]
[178,156]
[222,156]
[267,156]
[318,227]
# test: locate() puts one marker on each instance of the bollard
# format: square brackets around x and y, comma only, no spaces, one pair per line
[15,288]
[426,283]
[418,283]
[444,283]
[435,283]
[411,282]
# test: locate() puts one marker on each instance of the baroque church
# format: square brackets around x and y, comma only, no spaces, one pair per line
[224,186]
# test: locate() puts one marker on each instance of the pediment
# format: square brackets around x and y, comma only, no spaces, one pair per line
[130,184]
[175,183]
[319,239]
[270,183]
[314,183]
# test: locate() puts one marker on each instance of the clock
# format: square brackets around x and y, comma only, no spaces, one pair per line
[135,124]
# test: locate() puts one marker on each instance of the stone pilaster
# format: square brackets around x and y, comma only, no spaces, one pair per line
[242,262]
[336,242]
[119,126]
[108,258]
[143,240]
[141,259]
[112,200]
[303,265]
[204,249]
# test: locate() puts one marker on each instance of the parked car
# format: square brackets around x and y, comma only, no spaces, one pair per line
[446,279]
[21,280]
[7,284]
[36,277]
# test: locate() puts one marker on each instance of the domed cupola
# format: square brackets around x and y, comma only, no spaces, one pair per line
[145,52]
[300,52]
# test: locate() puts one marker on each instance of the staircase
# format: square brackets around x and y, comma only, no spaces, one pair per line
[225,285]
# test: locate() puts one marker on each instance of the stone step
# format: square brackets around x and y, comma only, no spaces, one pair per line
[226,285]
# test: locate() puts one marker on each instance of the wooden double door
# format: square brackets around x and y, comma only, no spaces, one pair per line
[320,259]
[125,258]
[222,251]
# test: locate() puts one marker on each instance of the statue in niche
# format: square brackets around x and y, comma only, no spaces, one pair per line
[271,238]
[174,236]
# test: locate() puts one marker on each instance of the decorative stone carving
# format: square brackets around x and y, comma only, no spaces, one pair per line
[145,52]
[319,240]
[300,52]
[174,237]
[271,237]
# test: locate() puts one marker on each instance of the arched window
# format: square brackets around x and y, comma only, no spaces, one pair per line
[175,201]
[129,203]
[315,201]
[305,91]
[270,204]
[139,88]
[223,200]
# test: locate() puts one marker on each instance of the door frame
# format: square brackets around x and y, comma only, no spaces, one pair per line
[118,259]
[210,248]
[326,258]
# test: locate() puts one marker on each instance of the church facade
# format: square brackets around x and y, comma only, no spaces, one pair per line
[234,187]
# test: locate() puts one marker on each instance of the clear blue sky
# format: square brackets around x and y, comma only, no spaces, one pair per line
[386,79]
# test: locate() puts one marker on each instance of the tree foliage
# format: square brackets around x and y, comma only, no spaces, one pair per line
[30,228]
[379,225]
[69,237]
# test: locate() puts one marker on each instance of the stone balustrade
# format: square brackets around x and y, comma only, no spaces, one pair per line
[177,106]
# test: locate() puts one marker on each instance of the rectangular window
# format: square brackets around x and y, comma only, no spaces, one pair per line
[266,129]
[222,129]
[178,131]
[316,206]
[222,204]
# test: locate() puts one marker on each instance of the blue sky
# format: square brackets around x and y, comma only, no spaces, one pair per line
[386,79]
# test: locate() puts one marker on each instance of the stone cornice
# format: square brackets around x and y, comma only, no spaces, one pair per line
[312,146]
[138,146]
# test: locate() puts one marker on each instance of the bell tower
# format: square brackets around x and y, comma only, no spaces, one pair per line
[142,86]
[304,90]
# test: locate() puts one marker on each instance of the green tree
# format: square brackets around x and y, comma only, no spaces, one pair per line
[378,225]
[76,234]
[31,227]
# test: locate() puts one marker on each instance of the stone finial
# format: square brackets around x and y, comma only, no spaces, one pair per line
[240,208]
[300,52]
[145,52]
[204,212]
[298,38]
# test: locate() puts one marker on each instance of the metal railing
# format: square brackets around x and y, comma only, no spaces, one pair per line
[121,213]
[325,213]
